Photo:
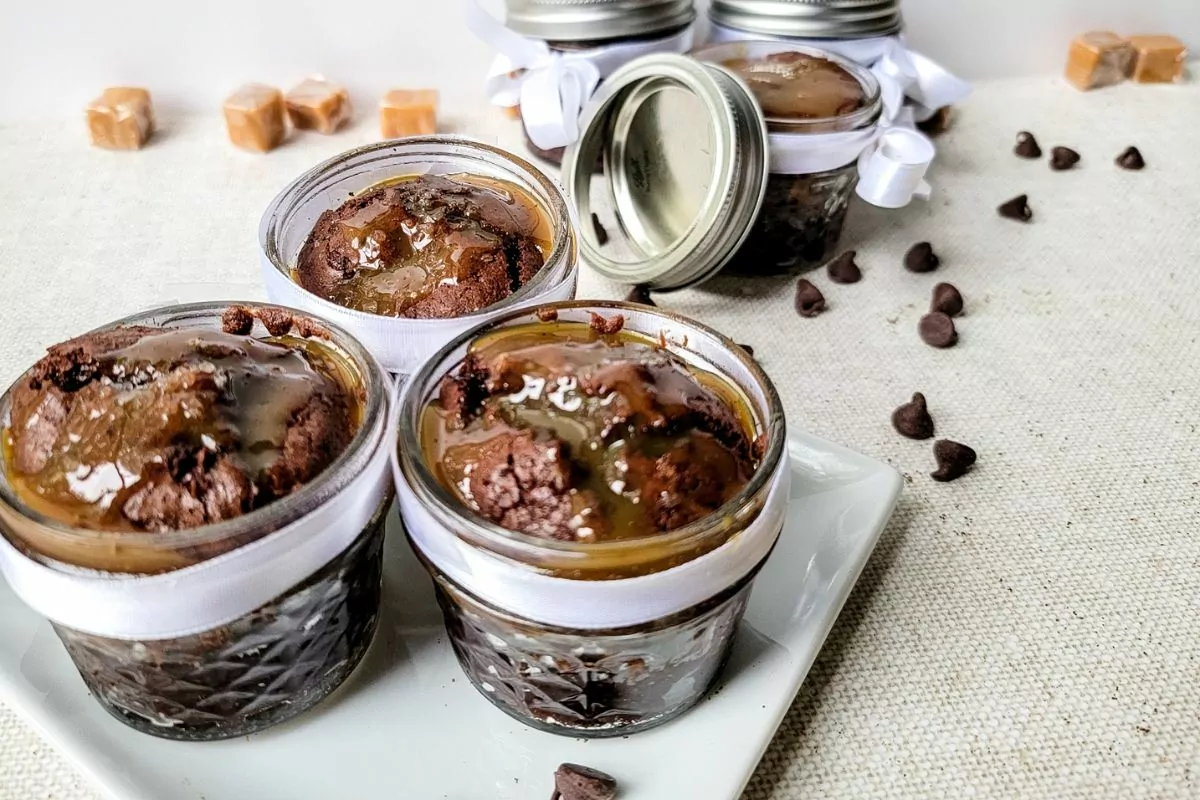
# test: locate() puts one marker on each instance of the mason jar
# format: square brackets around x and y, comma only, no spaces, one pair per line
[400,343]
[601,638]
[226,629]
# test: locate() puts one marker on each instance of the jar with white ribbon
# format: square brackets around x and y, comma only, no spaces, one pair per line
[622,621]
[196,603]
[552,54]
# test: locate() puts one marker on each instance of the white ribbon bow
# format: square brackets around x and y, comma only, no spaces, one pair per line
[552,87]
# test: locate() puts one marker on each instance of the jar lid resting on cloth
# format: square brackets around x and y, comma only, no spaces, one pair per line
[810,19]
[596,20]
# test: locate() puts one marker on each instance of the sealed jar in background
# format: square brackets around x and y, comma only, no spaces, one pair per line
[553,54]
[595,636]
[226,628]
[400,342]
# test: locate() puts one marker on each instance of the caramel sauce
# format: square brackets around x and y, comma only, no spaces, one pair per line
[792,85]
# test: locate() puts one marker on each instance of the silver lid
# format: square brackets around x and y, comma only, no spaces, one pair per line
[810,19]
[596,20]
[683,145]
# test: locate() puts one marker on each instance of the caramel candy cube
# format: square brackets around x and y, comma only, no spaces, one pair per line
[318,105]
[254,115]
[1098,58]
[1159,59]
[405,112]
[121,118]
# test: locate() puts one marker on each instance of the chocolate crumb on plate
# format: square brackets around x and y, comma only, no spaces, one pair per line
[640,294]
[912,419]
[921,258]
[237,320]
[809,300]
[1063,158]
[1017,208]
[947,299]
[843,269]
[1027,146]
[607,326]
[1131,158]
[577,782]
[937,330]
[953,460]
[601,233]
[547,314]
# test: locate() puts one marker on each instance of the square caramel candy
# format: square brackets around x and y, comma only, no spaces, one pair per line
[1159,59]
[1098,58]
[254,115]
[318,105]
[408,112]
[121,118]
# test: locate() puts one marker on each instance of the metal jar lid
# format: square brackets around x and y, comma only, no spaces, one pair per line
[683,145]
[596,20]
[810,19]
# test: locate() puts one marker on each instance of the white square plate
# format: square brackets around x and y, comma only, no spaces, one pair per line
[407,725]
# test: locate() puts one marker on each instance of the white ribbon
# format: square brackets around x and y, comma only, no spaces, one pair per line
[552,87]
[209,594]
[900,71]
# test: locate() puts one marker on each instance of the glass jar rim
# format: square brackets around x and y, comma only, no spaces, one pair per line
[278,213]
[527,549]
[868,114]
[349,463]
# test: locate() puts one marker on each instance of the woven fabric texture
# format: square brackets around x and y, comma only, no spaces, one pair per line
[1029,630]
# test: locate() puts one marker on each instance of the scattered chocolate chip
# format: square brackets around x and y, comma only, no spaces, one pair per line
[921,258]
[946,299]
[937,124]
[577,782]
[843,269]
[607,326]
[1027,146]
[601,233]
[278,321]
[1063,158]
[546,314]
[809,300]
[953,460]
[1017,208]
[237,320]
[912,419]
[937,330]
[640,294]
[749,350]
[1131,158]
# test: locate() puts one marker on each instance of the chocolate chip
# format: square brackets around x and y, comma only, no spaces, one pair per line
[843,269]
[946,299]
[237,320]
[921,258]
[601,233]
[1027,146]
[809,300]
[937,124]
[577,782]
[749,350]
[1130,158]
[912,419]
[278,321]
[1017,208]
[547,314]
[607,326]
[640,294]
[953,460]
[1063,158]
[937,330]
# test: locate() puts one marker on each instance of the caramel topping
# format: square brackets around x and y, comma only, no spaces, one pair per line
[792,85]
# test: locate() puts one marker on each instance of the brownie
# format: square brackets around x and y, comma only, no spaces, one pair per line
[427,246]
[153,429]
[588,435]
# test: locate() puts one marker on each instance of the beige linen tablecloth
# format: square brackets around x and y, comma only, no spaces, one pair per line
[1031,630]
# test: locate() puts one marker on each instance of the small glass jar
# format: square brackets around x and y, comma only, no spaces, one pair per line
[605,638]
[401,344]
[803,212]
[264,666]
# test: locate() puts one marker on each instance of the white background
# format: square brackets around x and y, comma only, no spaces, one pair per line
[55,55]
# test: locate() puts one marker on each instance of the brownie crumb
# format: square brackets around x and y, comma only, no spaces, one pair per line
[1017,208]
[309,329]
[547,314]
[237,320]
[843,269]
[912,419]
[577,782]
[937,330]
[1027,146]
[921,258]
[953,460]
[1131,158]
[607,326]
[277,321]
[946,299]
[1062,158]
[640,294]
[601,233]
[809,300]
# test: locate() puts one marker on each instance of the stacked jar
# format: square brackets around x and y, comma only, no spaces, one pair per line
[554,53]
